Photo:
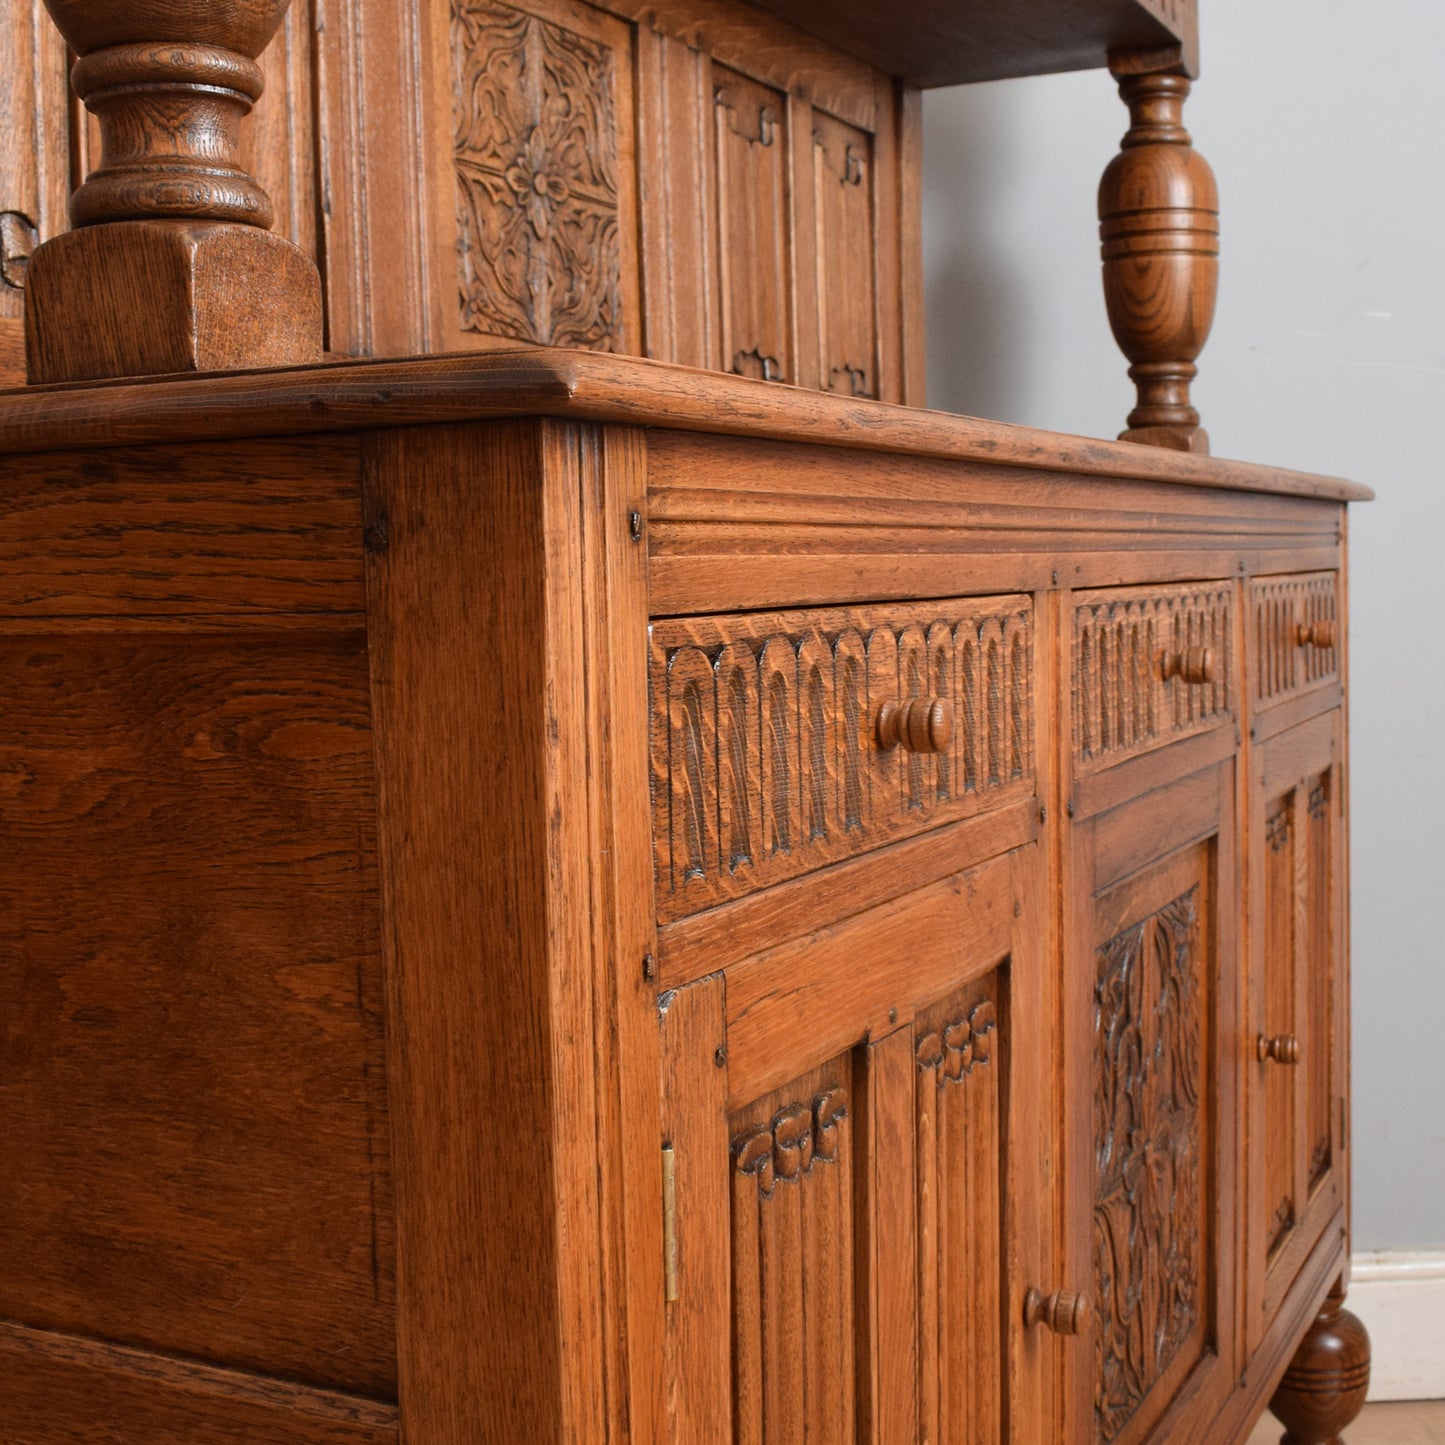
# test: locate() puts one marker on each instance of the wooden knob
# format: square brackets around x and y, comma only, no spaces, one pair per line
[1282,1049]
[920,724]
[1065,1312]
[1316,634]
[1192,665]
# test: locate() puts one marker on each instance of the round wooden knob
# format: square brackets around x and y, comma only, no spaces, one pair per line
[920,724]
[1282,1049]
[1065,1312]
[1316,634]
[1192,665]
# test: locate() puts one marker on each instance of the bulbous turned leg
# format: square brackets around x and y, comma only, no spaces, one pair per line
[1324,1388]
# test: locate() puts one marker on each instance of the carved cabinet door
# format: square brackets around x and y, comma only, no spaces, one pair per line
[1150,947]
[1294,1045]
[856,1168]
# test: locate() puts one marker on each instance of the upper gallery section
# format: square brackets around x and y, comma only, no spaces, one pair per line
[726,185]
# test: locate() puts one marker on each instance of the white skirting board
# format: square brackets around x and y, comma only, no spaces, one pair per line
[1401,1299]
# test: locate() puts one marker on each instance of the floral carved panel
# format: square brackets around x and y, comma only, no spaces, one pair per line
[1148,1116]
[537,190]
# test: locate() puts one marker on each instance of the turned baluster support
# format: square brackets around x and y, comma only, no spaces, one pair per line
[1159,224]
[1326,1383]
[171,266]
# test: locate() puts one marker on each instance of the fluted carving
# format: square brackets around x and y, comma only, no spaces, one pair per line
[1159,223]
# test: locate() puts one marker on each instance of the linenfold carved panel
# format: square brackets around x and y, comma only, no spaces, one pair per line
[792,1241]
[960,1143]
[754,248]
[1286,661]
[847,284]
[766,762]
[1123,702]
[1148,1244]
[537,187]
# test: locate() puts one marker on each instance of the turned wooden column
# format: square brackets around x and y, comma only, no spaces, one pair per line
[1159,223]
[1325,1386]
[171,266]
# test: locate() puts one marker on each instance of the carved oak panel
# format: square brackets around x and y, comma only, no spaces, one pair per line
[535,140]
[961,1063]
[1149,1253]
[792,1264]
[1125,701]
[1295,621]
[755,241]
[843,171]
[766,758]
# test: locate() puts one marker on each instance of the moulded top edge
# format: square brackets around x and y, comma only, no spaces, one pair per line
[356,395]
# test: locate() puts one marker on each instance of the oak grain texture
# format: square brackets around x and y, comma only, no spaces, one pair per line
[193,1095]
[214,530]
[476,636]
[346,396]
[34,163]
[60,1387]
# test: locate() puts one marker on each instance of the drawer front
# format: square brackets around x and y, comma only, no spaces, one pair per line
[1296,625]
[1151,665]
[767,753]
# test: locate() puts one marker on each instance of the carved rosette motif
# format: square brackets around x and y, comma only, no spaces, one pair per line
[765,756]
[1148,1254]
[537,193]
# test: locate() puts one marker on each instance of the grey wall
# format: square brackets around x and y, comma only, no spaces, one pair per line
[1324,123]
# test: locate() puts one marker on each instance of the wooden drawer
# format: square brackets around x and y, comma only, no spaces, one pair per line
[766,749]
[1151,665]
[1296,625]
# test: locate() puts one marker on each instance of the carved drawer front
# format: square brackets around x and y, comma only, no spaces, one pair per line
[1151,665]
[785,741]
[1296,624]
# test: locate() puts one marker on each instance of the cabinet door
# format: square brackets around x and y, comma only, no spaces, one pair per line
[858,1166]
[1294,1044]
[1150,953]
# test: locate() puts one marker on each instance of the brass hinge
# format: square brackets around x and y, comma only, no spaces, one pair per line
[669,1224]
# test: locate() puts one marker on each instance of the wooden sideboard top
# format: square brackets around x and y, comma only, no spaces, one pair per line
[953,42]
[583,386]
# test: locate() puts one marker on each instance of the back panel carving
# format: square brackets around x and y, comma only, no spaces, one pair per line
[792,1242]
[766,762]
[1123,703]
[1279,607]
[536,165]
[1149,1116]
[961,1064]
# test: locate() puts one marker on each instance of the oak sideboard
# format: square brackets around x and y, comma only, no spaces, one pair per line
[554,897]
[578,868]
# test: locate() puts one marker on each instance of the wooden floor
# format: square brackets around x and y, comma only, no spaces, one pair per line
[1421,1423]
